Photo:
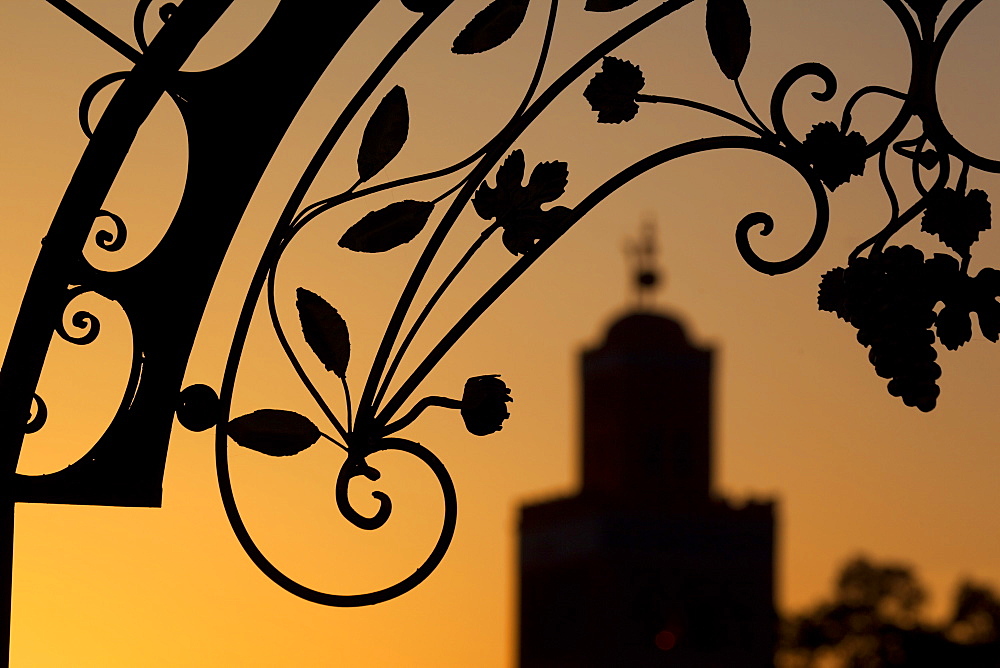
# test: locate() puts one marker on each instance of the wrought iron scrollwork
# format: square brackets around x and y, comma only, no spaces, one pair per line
[164,12]
[900,301]
[108,240]
[89,95]
[526,208]
[353,467]
[85,321]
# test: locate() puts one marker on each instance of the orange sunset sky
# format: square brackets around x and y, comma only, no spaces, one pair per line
[800,415]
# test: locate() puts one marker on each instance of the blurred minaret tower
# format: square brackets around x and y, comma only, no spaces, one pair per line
[645,566]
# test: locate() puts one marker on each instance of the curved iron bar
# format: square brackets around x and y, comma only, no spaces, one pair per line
[887,184]
[343,480]
[749,109]
[759,129]
[931,116]
[353,466]
[284,227]
[845,122]
[504,139]
[781,90]
[290,213]
[264,275]
[418,409]
[312,211]
[138,20]
[905,113]
[606,189]
[431,303]
[280,237]
[316,208]
[366,433]
[915,161]
[88,96]
[882,238]
[896,221]
[893,209]
[96,29]
[41,414]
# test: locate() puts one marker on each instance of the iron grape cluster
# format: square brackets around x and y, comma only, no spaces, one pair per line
[889,298]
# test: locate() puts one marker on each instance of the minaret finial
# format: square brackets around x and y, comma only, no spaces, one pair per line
[643,254]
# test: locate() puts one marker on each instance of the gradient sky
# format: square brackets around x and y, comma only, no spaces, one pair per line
[801,417]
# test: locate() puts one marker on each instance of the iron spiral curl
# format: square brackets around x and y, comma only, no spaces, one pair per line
[82,320]
[108,240]
[353,466]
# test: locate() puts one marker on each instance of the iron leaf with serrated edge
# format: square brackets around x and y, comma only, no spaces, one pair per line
[385,134]
[274,432]
[511,172]
[387,228]
[728,25]
[548,181]
[491,27]
[324,330]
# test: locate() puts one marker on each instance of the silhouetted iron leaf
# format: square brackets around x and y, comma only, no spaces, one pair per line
[833,294]
[963,295]
[954,326]
[511,172]
[607,5]
[957,218]
[388,227]
[728,26]
[324,330]
[517,207]
[273,432]
[835,155]
[494,202]
[491,27]
[986,289]
[548,181]
[385,134]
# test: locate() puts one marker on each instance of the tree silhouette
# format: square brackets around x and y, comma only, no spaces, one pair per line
[874,621]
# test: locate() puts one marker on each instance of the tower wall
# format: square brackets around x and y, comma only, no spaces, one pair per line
[645,567]
[647,414]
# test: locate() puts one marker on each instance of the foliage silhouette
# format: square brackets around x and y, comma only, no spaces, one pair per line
[384,135]
[874,621]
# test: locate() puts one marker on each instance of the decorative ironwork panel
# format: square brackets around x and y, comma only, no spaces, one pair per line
[235,115]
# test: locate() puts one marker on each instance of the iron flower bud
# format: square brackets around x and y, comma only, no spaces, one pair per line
[484,404]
